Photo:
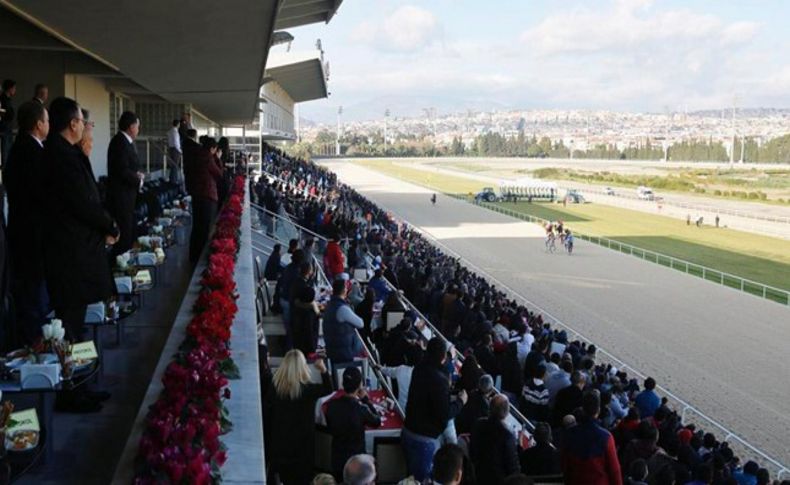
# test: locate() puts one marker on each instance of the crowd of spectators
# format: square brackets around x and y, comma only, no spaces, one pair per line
[589,422]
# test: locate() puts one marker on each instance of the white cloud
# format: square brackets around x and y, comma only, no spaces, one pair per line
[407,29]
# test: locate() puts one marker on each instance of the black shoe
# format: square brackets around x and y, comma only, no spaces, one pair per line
[98,396]
[76,403]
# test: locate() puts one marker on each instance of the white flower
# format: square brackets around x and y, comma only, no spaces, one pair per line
[53,330]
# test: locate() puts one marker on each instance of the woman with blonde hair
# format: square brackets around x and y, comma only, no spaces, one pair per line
[289,412]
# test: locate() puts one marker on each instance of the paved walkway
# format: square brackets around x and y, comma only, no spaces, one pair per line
[723,351]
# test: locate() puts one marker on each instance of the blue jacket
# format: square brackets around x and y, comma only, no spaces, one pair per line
[379,286]
[340,338]
[647,402]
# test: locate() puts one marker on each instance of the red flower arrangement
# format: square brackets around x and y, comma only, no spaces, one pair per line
[181,441]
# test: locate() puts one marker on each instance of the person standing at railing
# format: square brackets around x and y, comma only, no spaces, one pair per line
[174,154]
[201,172]
[21,176]
[124,179]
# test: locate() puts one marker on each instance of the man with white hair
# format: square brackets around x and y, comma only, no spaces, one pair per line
[360,470]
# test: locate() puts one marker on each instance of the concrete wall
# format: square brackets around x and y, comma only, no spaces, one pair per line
[278,113]
[91,94]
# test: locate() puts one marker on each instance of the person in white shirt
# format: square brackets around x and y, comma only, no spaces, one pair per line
[174,153]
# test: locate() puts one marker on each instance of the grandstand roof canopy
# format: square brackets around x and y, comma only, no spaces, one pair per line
[303,79]
[208,54]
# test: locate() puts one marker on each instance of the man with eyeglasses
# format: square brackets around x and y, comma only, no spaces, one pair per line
[78,232]
[124,179]
[22,178]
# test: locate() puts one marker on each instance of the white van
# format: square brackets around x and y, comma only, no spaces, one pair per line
[645,193]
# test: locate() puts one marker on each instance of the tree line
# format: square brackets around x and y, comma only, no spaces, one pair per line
[776,150]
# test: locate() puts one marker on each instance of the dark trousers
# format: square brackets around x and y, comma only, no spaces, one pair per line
[32,306]
[204,211]
[6,140]
[73,317]
[126,225]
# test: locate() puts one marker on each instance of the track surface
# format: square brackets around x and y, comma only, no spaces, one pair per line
[723,351]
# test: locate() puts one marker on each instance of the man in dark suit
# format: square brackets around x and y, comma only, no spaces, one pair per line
[493,447]
[7,116]
[22,178]
[347,418]
[124,179]
[78,228]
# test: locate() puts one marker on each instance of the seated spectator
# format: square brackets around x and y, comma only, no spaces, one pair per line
[744,476]
[365,311]
[703,475]
[290,403]
[476,406]
[274,266]
[347,418]
[648,401]
[569,398]
[588,453]
[448,465]
[360,470]
[428,410]
[543,458]
[559,380]
[493,446]
[637,473]
[535,397]
[340,326]
[323,479]
[484,352]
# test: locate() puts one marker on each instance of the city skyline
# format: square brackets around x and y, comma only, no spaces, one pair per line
[620,55]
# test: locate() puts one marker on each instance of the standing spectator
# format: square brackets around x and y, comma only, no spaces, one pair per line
[535,396]
[648,401]
[201,172]
[334,260]
[274,265]
[569,398]
[588,453]
[360,470]
[291,405]
[6,119]
[21,176]
[304,311]
[347,418]
[448,465]
[174,153]
[76,262]
[428,410]
[282,292]
[559,380]
[493,446]
[124,179]
[340,324]
[543,458]
[185,126]
[41,94]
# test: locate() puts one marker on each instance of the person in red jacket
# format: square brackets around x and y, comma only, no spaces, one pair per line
[201,172]
[334,259]
[589,455]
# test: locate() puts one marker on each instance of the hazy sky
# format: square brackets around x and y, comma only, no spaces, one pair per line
[636,55]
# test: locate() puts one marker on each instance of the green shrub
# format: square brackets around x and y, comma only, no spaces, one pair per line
[754,195]
[717,192]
